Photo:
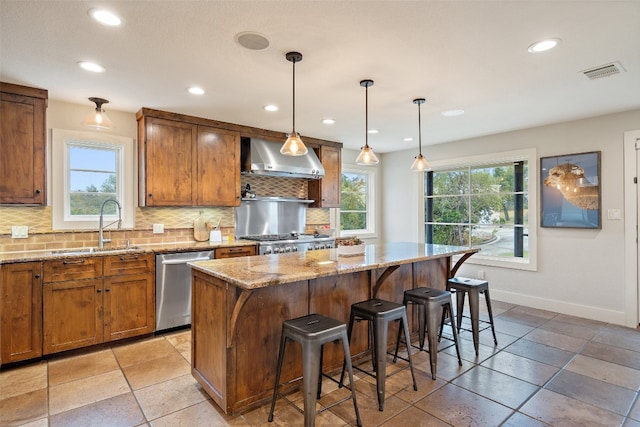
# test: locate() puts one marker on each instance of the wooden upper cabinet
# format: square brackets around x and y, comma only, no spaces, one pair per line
[187,164]
[218,176]
[167,162]
[326,191]
[22,144]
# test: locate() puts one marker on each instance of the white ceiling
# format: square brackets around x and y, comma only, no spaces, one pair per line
[470,55]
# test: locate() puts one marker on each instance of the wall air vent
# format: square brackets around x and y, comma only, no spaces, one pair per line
[604,70]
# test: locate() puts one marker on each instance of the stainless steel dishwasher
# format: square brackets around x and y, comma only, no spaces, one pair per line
[173,288]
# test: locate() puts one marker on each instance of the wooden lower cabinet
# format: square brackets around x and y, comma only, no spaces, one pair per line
[72,312]
[20,311]
[107,307]
[129,306]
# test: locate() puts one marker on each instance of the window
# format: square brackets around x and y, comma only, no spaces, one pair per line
[94,177]
[356,202]
[88,169]
[483,204]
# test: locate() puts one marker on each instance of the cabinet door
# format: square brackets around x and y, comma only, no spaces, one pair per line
[168,163]
[218,178]
[326,191]
[22,149]
[72,314]
[129,306]
[20,311]
[234,252]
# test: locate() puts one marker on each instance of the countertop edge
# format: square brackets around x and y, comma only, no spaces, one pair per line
[155,248]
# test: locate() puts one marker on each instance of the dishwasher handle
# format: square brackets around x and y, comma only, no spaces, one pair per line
[183,261]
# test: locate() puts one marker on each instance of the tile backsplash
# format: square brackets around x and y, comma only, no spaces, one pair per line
[178,221]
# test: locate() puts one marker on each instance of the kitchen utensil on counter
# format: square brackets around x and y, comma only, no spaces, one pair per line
[247,193]
[200,229]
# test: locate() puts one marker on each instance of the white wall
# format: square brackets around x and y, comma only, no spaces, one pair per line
[580,272]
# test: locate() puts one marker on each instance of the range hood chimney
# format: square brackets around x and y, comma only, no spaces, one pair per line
[262,157]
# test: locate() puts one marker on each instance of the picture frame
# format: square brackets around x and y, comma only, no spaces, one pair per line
[570,188]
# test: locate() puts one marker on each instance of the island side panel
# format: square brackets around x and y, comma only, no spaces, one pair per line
[332,296]
[208,336]
[393,290]
[432,273]
[254,354]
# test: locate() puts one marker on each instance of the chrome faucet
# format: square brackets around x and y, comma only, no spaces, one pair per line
[101,227]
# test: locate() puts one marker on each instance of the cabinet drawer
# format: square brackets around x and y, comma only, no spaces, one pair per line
[72,269]
[234,252]
[116,265]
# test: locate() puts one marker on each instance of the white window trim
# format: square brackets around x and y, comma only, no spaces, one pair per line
[370,232]
[530,156]
[61,219]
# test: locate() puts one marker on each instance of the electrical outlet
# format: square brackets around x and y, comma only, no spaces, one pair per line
[19,231]
[158,228]
[481,274]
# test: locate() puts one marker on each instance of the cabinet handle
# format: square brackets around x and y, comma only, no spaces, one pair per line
[150,195]
[38,191]
[131,257]
[77,261]
[99,291]
[37,276]
[107,289]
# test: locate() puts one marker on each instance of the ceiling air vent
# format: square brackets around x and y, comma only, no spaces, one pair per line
[604,70]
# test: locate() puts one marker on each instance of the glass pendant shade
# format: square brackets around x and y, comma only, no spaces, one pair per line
[367,157]
[98,118]
[420,164]
[294,146]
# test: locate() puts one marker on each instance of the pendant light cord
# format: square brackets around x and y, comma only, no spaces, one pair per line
[294,96]
[366,116]
[419,130]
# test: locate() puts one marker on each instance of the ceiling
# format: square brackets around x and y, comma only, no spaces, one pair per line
[469,55]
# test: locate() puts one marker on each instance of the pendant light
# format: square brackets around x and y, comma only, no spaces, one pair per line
[98,118]
[294,146]
[420,164]
[366,157]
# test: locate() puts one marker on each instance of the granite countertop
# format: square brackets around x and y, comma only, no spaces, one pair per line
[266,270]
[44,255]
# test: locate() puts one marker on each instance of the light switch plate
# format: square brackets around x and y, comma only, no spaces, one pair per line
[614,214]
[158,228]
[19,231]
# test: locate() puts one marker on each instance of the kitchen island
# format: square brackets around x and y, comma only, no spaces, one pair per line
[239,304]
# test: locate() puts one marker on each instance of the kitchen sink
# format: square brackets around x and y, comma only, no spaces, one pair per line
[91,250]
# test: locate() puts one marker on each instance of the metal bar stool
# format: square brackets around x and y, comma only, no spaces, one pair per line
[429,302]
[463,286]
[379,313]
[313,331]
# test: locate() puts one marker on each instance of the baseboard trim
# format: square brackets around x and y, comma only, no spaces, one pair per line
[588,312]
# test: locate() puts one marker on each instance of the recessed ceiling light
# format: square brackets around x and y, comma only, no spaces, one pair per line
[452,113]
[91,66]
[373,131]
[195,90]
[252,40]
[105,17]
[543,45]
[328,121]
[408,139]
[271,107]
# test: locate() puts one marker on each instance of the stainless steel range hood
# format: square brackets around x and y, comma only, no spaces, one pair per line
[262,157]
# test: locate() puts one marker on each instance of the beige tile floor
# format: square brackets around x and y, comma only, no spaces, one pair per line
[548,369]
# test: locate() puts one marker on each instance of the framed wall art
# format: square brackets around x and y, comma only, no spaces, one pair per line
[570,191]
